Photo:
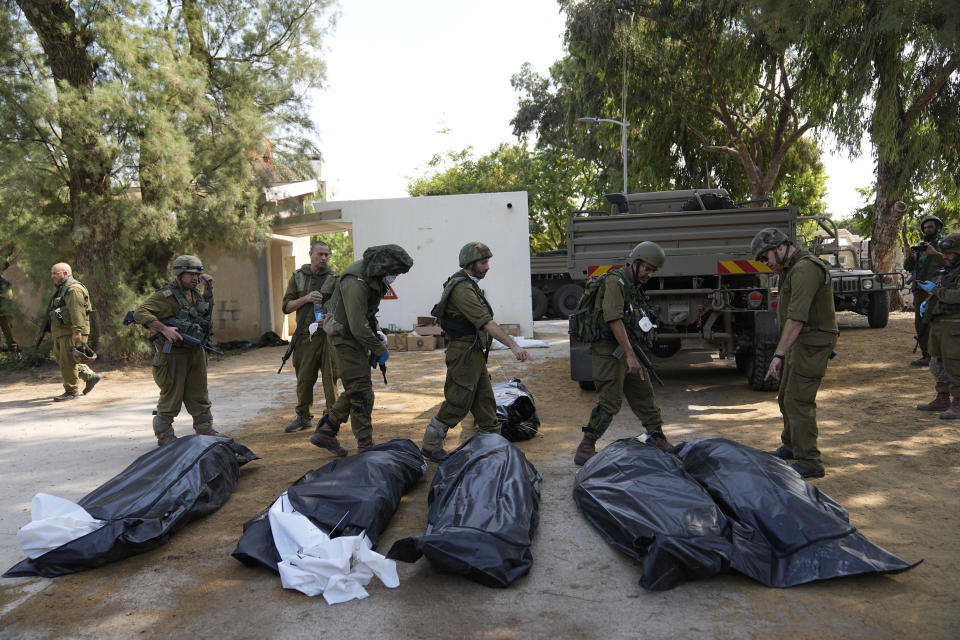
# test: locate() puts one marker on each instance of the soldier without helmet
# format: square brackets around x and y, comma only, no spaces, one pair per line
[467,320]
[808,333]
[180,307]
[69,313]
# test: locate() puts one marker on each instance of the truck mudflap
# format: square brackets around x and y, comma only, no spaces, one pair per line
[765,327]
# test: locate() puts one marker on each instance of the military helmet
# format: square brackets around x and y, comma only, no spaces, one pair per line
[186,264]
[766,239]
[951,244]
[473,251]
[929,217]
[83,354]
[649,252]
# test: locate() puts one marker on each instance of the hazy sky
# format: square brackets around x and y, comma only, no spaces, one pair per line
[399,73]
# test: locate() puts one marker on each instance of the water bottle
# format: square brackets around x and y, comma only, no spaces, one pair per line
[318,311]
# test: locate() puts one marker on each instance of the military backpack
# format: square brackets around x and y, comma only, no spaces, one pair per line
[586,322]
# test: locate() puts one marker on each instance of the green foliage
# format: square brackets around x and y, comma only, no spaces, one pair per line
[555,180]
[341,249]
[132,131]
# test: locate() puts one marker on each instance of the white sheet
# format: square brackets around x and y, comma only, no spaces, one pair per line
[54,522]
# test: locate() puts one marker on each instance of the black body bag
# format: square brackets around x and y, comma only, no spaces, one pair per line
[515,411]
[346,497]
[148,502]
[484,507]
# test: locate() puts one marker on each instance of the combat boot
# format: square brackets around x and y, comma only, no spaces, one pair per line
[585,450]
[325,436]
[66,395]
[165,440]
[364,443]
[91,383]
[299,423]
[953,412]
[433,435]
[921,362]
[941,402]
[660,441]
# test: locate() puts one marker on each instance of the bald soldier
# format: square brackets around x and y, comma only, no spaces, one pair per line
[69,312]
[808,333]
[467,319]
[181,307]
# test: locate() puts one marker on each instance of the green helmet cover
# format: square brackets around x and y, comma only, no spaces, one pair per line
[649,252]
[473,251]
[386,259]
[766,239]
[951,243]
[186,264]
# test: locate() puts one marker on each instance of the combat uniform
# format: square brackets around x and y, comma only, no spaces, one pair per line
[69,311]
[467,388]
[5,316]
[927,268]
[806,295]
[620,300]
[312,355]
[351,324]
[181,374]
[943,309]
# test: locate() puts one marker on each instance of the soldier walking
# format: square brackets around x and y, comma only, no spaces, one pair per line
[312,353]
[617,372]
[177,309]
[942,307]
[467,320]
[351,323]
[924,263]
[69,314]
[808,333]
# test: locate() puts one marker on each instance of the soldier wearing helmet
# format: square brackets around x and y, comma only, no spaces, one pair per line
[351,324]
[808,333]
[69,312]
[467,319]
[617,373]
[177,308]
[942,310]
[924,261]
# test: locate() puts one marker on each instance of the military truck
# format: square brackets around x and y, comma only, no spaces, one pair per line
[711,293]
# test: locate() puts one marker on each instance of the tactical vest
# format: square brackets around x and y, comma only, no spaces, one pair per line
[336,323]
[587,323]
[58,304]
[948,279]
[301,280]
[816,321]
[191,319]
[927,265]
[459,327]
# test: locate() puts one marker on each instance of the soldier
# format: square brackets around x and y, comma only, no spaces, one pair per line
[351,323]
[924,264]
[180,308]
[942,307]
[617,373]
[467,319]
[69,312]
[808,333]
[312,355]
[5,329]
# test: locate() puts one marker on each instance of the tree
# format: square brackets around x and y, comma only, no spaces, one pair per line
[129,129]
[556,183]
[890,68]
[710,99]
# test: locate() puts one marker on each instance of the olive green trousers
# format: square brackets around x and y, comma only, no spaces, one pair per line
[468,390]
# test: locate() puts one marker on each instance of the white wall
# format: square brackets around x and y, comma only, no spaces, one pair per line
[432,229]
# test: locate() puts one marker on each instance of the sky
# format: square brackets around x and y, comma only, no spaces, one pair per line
[407,80]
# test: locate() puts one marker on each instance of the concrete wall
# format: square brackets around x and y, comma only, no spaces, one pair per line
[432,229]
[236,314]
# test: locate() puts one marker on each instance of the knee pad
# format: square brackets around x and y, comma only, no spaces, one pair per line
[362,402]
[599,421]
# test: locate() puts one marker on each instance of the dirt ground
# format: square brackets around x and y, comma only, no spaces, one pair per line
[897,471]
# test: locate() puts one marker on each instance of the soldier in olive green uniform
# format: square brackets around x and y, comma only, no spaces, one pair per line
[351,323]
[617,373]
[924,265]
[69,313]
[467,320]
[179,307]
[5,329]
[808,333]
[942,308]
[312,354]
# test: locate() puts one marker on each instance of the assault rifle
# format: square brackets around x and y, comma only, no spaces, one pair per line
[286,355]
[43,332]
[187,339]
[639,352]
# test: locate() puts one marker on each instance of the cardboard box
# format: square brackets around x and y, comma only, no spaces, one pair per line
[511,329]
[441,342]
[397,341]
[421,343]
[426,320]
[427,330]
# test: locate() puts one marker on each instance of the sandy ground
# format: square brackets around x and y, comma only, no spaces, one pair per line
[896,469]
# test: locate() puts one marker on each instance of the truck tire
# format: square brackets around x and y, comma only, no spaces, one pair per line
[565,299]
[759,361]
[878,309]
[539,301]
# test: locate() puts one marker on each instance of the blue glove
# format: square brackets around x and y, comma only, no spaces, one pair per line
[926,285]
[923,307]
[382,360]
